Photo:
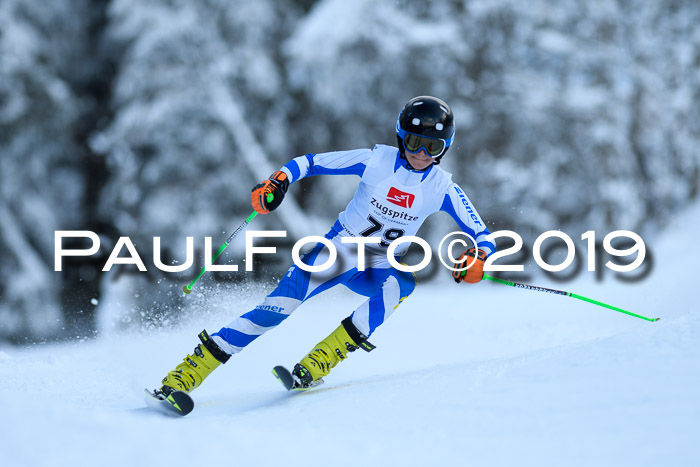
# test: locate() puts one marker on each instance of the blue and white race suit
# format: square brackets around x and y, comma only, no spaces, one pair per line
[391,201]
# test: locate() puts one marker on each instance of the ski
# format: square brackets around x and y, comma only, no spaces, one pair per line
[285,377]
[177,403]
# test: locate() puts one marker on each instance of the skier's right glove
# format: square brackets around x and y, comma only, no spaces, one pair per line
[276,186]
[475,272]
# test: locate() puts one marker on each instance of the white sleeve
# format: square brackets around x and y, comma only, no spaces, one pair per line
[458,205]
[351,162]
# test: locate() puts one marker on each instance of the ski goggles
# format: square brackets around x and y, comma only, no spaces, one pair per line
[413,143]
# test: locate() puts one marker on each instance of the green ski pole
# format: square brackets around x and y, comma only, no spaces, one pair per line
[568,294]
[188,288]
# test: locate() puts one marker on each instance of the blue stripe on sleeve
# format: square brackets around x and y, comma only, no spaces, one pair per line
[488,245]
[293,168]
[310,158]
[357,169]
[338,163]
[450,209]
[332,163]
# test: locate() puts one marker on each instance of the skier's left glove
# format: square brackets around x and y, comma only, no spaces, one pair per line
[276,185]
[475,272]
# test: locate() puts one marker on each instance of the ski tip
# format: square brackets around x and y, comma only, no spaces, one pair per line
[656,319]
[181,402]
[284,376]
[280,370]
[187,289]
[176,403]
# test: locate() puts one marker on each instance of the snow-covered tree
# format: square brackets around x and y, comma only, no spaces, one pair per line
[199,105]
[40,184]
[53,75]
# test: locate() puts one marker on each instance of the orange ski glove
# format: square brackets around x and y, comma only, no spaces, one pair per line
[276,185]
[475,272]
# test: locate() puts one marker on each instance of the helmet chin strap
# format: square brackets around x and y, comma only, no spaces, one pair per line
[402,153]
[408,163]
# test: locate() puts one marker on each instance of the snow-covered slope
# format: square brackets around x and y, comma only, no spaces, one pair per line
[462,375]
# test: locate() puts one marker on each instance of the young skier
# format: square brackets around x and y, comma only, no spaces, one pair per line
[398,190]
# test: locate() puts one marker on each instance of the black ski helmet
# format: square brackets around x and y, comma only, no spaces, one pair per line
[426,117]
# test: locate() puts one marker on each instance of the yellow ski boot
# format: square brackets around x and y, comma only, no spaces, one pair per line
[190,374]
[327,353]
